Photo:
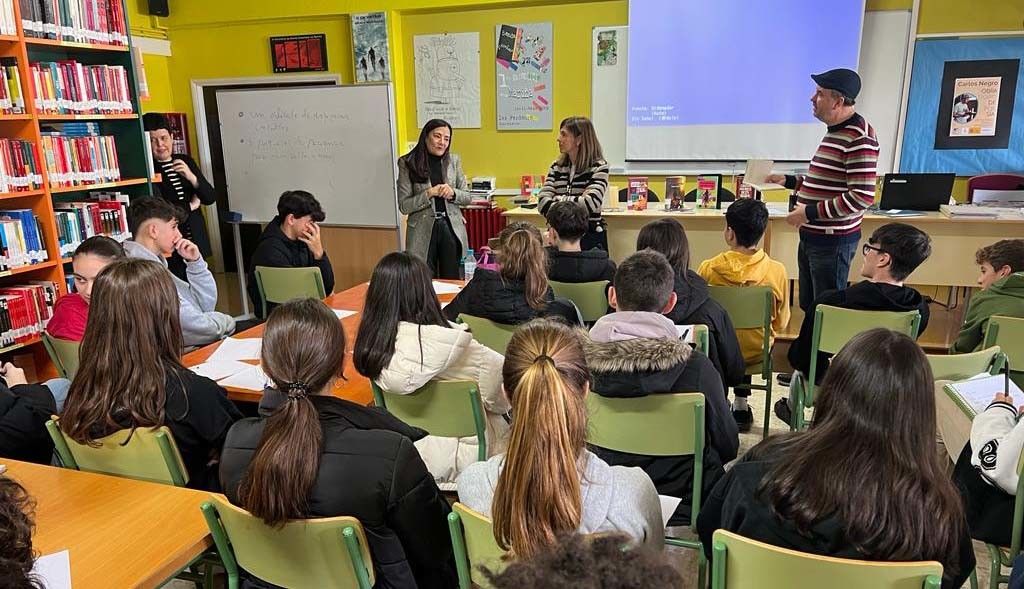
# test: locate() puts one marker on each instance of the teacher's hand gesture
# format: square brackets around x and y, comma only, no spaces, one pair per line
[185,172]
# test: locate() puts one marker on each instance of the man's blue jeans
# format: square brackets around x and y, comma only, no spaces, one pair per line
[823,268]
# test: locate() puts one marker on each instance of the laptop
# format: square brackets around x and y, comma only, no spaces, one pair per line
[915,192]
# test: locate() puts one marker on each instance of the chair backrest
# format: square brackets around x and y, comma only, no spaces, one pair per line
[473,539]
[748,307]
[64,355]
[834,326]
[1008,334]
[493,335]
[964,366]
[326,553]
[279,285]
[993,182]
[147,454]
[741,563]
[590,297]
[448,408]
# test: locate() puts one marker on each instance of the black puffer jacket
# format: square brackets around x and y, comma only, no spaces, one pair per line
[24,410]
[589,266]
[694,306]
[370,470]
[277,251]
[490,296]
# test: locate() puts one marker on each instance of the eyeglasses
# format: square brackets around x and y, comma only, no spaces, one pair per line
[868,247]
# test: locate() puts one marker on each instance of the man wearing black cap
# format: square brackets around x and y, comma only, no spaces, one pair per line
[838,187]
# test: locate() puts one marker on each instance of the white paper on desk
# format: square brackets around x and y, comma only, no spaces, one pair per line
[979,391]
[342,313]
[54,570]
[668,507]
[251,379]
[234,348]
[446,288]
[217,370]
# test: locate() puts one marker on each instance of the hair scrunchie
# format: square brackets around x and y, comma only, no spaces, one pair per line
[296,390]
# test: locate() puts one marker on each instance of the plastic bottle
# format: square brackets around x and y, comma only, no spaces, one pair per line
[469,265]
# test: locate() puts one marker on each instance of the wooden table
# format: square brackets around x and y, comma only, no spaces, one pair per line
[356,387]
[118,532]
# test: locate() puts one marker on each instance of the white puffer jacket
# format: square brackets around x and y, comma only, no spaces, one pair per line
[449,354]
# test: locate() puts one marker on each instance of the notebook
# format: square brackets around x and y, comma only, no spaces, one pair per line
[977,393]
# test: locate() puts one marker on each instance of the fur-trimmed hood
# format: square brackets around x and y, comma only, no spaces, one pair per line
[636,355]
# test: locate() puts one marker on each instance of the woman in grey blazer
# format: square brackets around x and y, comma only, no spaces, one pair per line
[431,186]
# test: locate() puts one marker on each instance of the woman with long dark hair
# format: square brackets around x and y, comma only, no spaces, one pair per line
[405,341]
[130,373]
[312,455]
[431,186]
[865,481]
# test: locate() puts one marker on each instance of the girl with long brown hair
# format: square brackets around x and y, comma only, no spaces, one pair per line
[865,481]
[130,373]
[547,483]
[311,454]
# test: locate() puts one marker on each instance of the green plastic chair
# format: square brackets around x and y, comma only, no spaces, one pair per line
[963,366]
[750,307]
[833,327]
[147,454]
[64,355]
[742,563]
[493,335]
[280,285]
[474,545]
[327,553]
[590,297]
[656,425]
[448,408]
[1008,334]
[697,334]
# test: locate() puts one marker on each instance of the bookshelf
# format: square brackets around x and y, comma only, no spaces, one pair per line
[132,152]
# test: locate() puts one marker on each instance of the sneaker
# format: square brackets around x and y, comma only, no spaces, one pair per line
[783,378]
[744,419]
[783,410]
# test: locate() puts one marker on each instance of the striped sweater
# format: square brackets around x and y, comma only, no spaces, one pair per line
[840,182]
[586,187]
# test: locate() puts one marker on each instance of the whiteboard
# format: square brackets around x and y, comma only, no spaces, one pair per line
[883,51]
[337,142]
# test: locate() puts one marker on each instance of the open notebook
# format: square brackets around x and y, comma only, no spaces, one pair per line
[976,394]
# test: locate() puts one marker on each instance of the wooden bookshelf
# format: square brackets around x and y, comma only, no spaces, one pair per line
[86,117]
[73,45]
[103,186]
[28,268]
[34,340]
[23,194]
[15,117]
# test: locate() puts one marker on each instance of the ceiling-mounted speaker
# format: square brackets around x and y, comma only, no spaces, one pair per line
[159,8]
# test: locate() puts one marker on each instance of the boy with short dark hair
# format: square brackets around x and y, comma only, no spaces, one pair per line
[1002,291]
[567,223]
[636,351]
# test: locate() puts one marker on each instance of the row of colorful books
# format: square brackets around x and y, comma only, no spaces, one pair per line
[706,196]
[79,160]
[19,166]
[12,98]
[21,239]
[69,87]
[25,310]
[78,21]
[8,25]
[106,214]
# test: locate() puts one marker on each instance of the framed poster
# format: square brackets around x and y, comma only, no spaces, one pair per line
[370,47]
[524,60]
[299,53]
[975,108]
[448,79]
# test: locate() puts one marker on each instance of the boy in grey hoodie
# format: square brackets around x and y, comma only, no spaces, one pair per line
[154,227]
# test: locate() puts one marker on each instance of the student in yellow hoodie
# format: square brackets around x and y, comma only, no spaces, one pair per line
[745,264]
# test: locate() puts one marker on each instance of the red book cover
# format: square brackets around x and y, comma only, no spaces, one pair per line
[19,164]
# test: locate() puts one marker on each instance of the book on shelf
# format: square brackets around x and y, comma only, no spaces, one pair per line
[69,87]
[636,192]
[25,309]
[76,155]
[150,170]
[12,98]
[7,24]
[78,221]
[19,166]
[76,21]
[21,239]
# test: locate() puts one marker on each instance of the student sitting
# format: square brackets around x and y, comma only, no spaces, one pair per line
[1002,292]
[291,240]
[335,457]
[865,481]
[548,483]
[404,342]
[694,306]
[744,264]
[24,410]
[16,526]
[567,224]
[636,352]
[519,290]
[130,373]
[71,311]
[154,223]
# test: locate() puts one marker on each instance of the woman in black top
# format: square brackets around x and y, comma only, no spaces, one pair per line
[181,184]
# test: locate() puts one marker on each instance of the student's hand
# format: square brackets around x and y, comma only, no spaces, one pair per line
[187,250]
[194,203]
[775,178]
[1003,398]
[797,216]
[311,237]
[183,170]
[13,375]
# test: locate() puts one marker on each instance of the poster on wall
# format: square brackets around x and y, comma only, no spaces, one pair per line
[448,79]
[370,47]
[299,53]
[607,48]
[976,104]
[524,58]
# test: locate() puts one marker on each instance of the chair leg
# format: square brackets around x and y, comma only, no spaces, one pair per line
[995,567]
[767,406]
[702,568]
[974,578]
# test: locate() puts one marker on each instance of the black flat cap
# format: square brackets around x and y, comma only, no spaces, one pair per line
[842,80]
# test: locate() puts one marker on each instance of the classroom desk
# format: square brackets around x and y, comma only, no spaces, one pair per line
[954,241]
[119,532]
[355,387]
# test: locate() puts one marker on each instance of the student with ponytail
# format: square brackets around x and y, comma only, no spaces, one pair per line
[548,484]
[311,454]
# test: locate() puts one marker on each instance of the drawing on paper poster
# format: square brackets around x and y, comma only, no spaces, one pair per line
[370,47]
[607,48]
[448,79]
[523,74]
[975,107]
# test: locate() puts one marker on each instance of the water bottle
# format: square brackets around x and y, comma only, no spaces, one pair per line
[469,265]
